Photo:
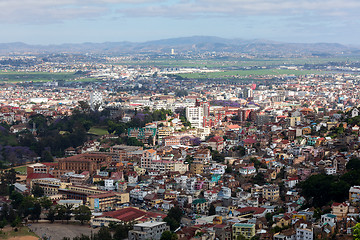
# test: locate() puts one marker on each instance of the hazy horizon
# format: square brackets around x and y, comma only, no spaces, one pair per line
[74,21]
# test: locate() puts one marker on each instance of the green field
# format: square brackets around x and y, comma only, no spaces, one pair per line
[21,170]
[235,63]
[248,73]
[98,131]
[34,76]
[15,77]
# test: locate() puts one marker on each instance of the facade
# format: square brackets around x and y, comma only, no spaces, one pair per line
[271,193]
[107,200]
[354,194]
[84,162]
[303,232]
[148,230]
[196,115]
[49,185]
[246,230]
[143,134]
[148,157]
[196,168]
[200,205]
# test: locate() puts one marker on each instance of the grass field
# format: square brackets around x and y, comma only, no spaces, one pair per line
[40,77]
[247,73]
[223,64]
[98,131]
[9,233]
[21,169]
[34,76]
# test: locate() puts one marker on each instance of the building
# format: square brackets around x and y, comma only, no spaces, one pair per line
[49,185]
[340,210]
[216,143]
[247,171]
[271,193]
[84,162]
[303,232]
[196,115]
[96,100]
[200,205]
[354,194]
[246,230]
[125,215]
[148,230]
[148,157]
[107,200]
[197,168]
[144,135]
[37,171]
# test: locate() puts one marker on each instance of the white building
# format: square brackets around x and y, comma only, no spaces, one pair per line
[195,115]
[303,232]
[96,100]
[246,171]
[148,230]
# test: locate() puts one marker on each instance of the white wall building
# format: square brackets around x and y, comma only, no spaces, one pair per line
[148,230]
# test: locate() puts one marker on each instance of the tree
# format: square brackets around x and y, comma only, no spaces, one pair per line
[46,157]
[37,191]
[82,237]
[103,234]
[4,211]
[67,212]
[35,212]
[16,199]
[82,214]
[122,230]
[321,189]
[212,210]
[353,164]
[45,202]
[167,235]
[60,212]
[356,232]
[51,215]
[241,237]
[172,223]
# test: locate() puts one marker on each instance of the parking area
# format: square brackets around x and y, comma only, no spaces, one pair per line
[57,231]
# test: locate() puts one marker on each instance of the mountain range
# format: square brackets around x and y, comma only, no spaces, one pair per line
[195,44]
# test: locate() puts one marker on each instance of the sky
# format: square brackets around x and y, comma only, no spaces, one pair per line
[76,21]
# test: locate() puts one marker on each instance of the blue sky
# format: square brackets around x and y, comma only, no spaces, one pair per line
[76,21]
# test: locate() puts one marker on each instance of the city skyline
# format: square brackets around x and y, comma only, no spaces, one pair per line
[74,21]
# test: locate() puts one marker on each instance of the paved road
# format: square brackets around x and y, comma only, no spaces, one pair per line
[57,231]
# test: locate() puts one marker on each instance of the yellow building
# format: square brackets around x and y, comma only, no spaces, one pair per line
[196,168]
[107,201]
[294,120]
[246,230]
[271,193]
[299,216]
[49,185]
[340,210]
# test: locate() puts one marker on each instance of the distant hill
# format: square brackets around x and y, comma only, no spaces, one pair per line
[195,44]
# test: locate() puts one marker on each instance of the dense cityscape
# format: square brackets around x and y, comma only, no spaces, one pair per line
[179,146]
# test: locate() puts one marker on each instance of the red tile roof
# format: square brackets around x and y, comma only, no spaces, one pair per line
[132,214]
[39,175]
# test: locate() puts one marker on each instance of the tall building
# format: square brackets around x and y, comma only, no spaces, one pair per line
[247,93]
[96,100]
[196,115]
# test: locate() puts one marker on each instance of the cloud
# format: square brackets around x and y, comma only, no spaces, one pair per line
[48,11]
[238,8]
